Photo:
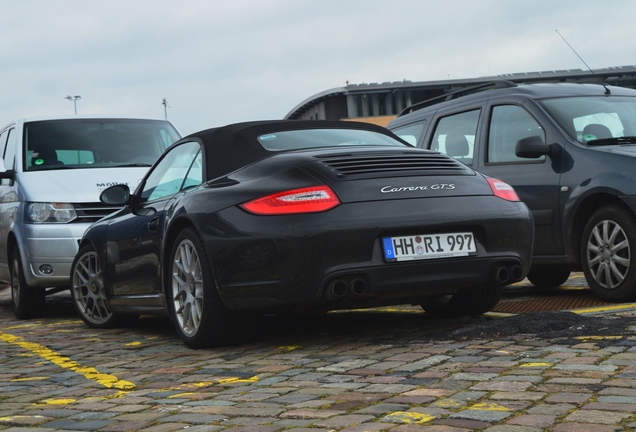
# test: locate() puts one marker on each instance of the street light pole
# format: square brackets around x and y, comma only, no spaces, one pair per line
[74,99]
[165,107]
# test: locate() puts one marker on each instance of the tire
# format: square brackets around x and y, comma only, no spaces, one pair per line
[87,289]
[196,309]
[27,301]
[473,301]
[548,279]
[607,250]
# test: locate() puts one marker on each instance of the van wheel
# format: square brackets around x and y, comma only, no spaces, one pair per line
[196,309]
[473,301]
[608,241]
[547,279]
[27,301]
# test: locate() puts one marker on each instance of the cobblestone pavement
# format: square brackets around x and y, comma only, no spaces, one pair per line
[355,371]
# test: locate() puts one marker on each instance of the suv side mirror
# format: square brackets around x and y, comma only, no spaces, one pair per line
[532,147]
[115,195]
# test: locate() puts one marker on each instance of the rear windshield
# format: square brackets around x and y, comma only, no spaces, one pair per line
[95,143]
[592,118]
[318,138]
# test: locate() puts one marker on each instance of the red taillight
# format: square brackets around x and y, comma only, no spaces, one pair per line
[502,189]
[305,200]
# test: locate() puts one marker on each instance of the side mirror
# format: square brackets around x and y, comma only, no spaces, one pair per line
[532,147]
[10,174]
[115,195]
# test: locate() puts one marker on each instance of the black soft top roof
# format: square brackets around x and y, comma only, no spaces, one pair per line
[231,147]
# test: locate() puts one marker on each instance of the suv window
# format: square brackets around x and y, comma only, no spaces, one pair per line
[411,133]
[455,135]
[587,119]
[509,124]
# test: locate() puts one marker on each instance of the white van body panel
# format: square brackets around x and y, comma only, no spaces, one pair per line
[27,178]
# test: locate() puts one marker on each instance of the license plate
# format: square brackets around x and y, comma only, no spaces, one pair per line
[431,246]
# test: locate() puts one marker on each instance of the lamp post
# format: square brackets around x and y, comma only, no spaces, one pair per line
[74,99]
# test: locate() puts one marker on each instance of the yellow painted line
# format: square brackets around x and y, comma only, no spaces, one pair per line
[58,401]
[488,407]
[599,309]
[238,380]
[598,337]
[410,417]
[289,347]
[107,380]
[132,344]
[20,417]
[180,395]
[42,378]
[536,364]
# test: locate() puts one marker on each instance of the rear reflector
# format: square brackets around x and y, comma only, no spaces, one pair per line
[502,189]
[305,200]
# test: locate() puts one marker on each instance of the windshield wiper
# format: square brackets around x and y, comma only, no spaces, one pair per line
[613,141]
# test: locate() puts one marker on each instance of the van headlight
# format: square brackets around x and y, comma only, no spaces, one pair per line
[51,212]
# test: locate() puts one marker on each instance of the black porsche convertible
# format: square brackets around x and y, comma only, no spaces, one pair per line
[303,217]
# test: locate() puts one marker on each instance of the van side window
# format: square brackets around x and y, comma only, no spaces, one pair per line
[455,135]
[411,133]
[509,124]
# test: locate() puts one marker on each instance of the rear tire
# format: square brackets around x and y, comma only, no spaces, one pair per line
[196,309]
[548,279]
[27,301]
[608,241]
[473,301]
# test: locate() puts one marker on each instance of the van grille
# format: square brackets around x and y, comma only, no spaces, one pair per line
[91,212]
[393,163]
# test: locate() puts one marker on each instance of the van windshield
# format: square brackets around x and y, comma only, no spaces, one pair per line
[95,143]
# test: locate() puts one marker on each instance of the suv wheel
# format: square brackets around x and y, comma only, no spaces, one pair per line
[606,253]
[27,301]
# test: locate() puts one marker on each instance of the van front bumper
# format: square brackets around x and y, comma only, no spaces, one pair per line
[48,252]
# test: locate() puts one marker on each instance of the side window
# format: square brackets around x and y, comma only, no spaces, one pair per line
[411,133]
[3,146]
[455,135]
[509,124]
[170,175]
[9,151]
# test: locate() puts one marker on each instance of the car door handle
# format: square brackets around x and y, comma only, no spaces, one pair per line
[153,224]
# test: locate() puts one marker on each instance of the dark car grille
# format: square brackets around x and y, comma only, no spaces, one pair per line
[91,212]
[393,163]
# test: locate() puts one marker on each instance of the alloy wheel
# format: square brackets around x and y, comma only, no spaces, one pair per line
[608,254]
[88,289]
[187,288]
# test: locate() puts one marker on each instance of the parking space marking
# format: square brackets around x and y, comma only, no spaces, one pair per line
[107,380]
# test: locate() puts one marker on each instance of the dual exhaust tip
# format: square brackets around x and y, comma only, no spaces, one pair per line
[354,287]
[357,286]
[506,274]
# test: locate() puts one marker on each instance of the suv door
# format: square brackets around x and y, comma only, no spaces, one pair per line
[485,137]
[537,181]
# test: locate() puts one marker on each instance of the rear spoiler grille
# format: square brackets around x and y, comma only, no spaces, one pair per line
[393,163]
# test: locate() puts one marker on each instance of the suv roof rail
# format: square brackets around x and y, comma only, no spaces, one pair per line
[456,94]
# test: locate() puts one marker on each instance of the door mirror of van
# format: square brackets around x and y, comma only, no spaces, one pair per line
[9,174]
[532,147]
[115,195]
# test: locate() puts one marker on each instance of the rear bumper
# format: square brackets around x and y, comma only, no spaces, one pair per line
[294,260]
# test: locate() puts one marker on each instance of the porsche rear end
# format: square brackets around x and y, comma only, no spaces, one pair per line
[366,228]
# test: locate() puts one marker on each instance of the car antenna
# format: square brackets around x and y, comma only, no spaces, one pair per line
[607,90]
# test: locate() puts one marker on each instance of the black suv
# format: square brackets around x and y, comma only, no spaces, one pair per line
[569,150]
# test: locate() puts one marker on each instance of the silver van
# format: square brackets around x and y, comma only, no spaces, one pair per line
[52,170]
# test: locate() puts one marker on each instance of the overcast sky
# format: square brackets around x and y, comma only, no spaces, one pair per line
[220,62]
